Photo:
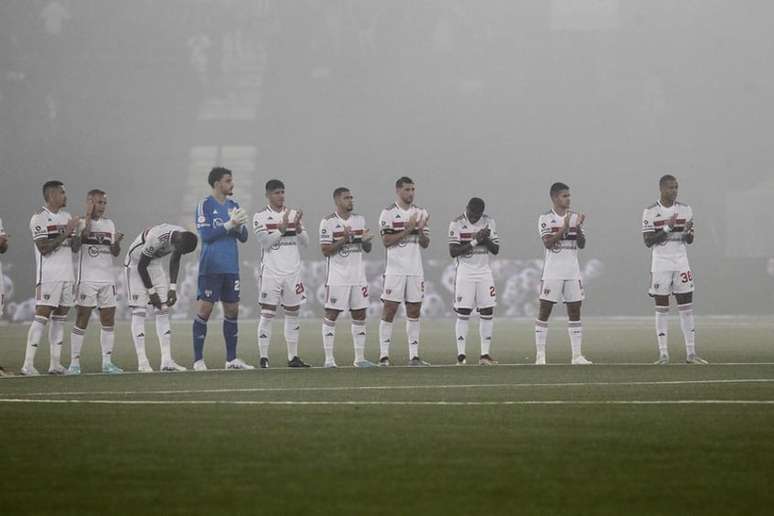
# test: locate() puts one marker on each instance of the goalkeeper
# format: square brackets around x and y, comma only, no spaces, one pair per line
[220,222]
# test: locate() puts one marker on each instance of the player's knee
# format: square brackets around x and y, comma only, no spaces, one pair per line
[413,310]
[291,310]
[487,312]
[331,315]
[463,311]
[358,315]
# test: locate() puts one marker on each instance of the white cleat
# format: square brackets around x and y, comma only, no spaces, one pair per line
[144,367]
[663,359]
[199,365]
[696,359]
[540,359]
[581,360]
[238,363]
[330,364]
[29,371]
[171,366]
[57,370]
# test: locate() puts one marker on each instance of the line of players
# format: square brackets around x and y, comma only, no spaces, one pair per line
[344,236]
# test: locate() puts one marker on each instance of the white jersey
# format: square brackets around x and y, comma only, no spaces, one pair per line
[561,262]
[95,261]
[672,254]
[2,283]
[461,231]
[346,266]
[279,256]
[58,264]
[155,242]
[405,257]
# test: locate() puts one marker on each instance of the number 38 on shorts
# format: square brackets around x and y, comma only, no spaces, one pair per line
[671,282]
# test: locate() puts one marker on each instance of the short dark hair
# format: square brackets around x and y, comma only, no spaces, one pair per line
[274,184]
[95,191]
[50,185]
[340,190]
[405,180]
[557,187]
[477,204]
[216,174]
[186,241]
[665,178]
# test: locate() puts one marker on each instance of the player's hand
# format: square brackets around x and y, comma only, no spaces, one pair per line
[422,223]
[346,234]
[483,235]
[283,226]
[566,221]
[155,300]
[297,221]
[689,227]
[119,237]
[673,220]
[411,224]
[89,208]
[72,224]
[581,219]
[366,236]
[171,298]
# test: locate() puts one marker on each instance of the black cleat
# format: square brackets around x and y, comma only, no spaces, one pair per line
[263,363]
[297,362]
[461,359]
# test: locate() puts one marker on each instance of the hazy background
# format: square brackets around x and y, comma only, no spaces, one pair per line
[490,98]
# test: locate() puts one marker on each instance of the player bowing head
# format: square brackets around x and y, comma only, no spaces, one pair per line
[184,241]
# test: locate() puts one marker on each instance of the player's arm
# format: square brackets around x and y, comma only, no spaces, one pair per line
[142,270]
[580,238]
[76,238]
[390,237]
[366,241]
[688,234]
[265,239]
[47,246]
[331,246]
[550,240]
[243,233]
[3,240]
[115,247]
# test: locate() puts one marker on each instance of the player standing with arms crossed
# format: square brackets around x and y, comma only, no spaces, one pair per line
[667,228]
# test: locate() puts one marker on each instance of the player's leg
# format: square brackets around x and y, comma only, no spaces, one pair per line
[107,319]
[393,288]
[207,294]
[82,315]
[573,294]
[461,332]
[415,293]
[293,296]
[163,326]
[486,301]
[358,306]
[660,288]
[688,327]
[550,293]
[328,332]
[269,292]
[64,293]
[35,334]
[229,296]
[138,303]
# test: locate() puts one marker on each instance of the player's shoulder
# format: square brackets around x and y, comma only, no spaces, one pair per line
[487,219]
[458,219]
[652,206]
[682,205]
[328,217]
[546,214]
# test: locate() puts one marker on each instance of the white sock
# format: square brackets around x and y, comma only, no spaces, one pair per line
[56,338]
[541,334]
[138,335]
[329,336]
[106,339]
[359,339]
[412,332]
[164,333]
[575,329]
[688,325]
[385,338]
[34,335]
[662,329]
[291,335]
[461,332]
[485,328]
[264,332]
[76,342]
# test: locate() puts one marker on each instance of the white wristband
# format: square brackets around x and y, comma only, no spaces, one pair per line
[229,225]
[173,286]
[473,243]
[151,291]
[667,229]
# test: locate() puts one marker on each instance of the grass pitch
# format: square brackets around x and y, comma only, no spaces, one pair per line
[619,437]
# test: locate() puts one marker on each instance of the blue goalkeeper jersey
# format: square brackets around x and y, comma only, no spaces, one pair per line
[219,253]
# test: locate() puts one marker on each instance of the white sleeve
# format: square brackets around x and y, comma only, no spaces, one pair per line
[647,222]
[494,237]
[326,237]
[262,236]
[302,238]
[426,229]
[544,228]
[151,244]
[2,229]
[454,233]
[385,226]
[38,226]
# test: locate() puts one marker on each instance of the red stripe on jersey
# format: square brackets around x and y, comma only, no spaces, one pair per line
[398,224]
[663,222]
[469,236]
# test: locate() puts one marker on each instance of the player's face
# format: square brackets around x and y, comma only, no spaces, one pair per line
[473,215]
[669,191]
[57,197]
[276,198]
[406,193]
[226,185]
[345,202]
[100,205]
[562,199]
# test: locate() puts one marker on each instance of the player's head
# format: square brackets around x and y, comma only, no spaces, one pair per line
[221,180]
[344,200]
[99,199]
[275,193]
[404,188]
[475,209]
[668,186]
[560,195]
[54,194]
[184,241]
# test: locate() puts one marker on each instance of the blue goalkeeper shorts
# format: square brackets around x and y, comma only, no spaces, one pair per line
[218,287]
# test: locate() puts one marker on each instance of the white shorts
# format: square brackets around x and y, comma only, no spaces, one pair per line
[346,297]
[400,288]
[101,295]
[671,282]
[55,293]
[136,292]
[556,290]
[470,293]
[287,291]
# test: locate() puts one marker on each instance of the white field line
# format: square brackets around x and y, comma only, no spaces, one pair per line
[403,387]
[389,403]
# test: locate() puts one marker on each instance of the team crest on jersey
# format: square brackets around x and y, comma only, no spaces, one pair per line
[333,300]
[543,225]
[656,285]
[264,294]
[324,231]
[451,233]
[546,291]
[208,293]
[388,291]
[459,299]
[46,297]
[135,297]
[202,219]
[83,297]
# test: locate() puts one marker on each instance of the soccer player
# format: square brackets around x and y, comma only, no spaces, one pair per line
[472,239]
[279,232]
[404,233]
[562,233]
[667,228]
[53,231]
[344,238]
[96,285]
[3,249]
[219,265]
[147,284]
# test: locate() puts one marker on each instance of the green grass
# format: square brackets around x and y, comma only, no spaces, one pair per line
[441,440]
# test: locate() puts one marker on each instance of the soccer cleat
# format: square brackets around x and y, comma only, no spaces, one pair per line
[199,365]
[238,363]
[263,363]
[111,368]
[663,359]
[540,359]
[487,360]
[3,372]
[384,362]
[171,366]
[461,359]
[696,359]
[144,367]
[57,370]
[418,362]
[580,360]
[73,370]
[297,362]
[29,371]
[330,364]
[364,364]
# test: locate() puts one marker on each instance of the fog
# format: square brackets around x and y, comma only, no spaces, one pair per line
[496,99]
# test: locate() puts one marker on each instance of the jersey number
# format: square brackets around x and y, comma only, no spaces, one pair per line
[364,290]
[492,291]
[299,288]
[686,276]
